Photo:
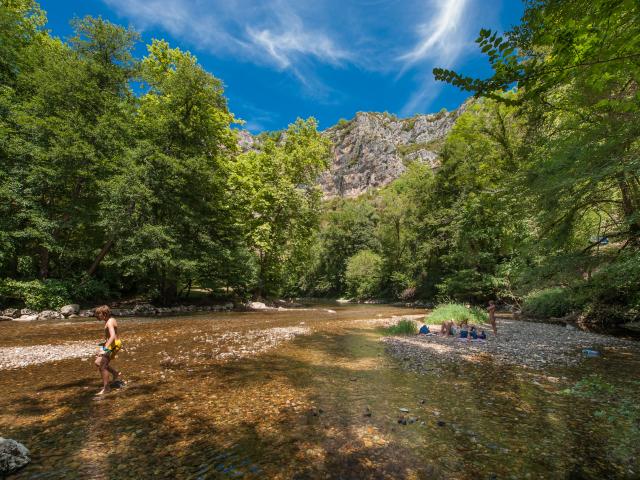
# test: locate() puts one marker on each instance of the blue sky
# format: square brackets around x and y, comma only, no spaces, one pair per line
[283,59]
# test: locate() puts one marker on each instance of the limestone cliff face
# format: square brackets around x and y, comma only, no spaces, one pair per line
[373,149]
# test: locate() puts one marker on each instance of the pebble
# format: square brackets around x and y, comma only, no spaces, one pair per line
[18,357]
[528,344]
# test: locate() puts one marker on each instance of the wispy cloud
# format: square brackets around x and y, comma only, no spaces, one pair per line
[323,48]
[267,33]
[441,42]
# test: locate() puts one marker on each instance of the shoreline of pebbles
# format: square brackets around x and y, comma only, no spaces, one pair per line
[138,310]
[519,342]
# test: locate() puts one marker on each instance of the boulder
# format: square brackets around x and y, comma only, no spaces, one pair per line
[11,312]
[28,311]
[144,309]
[87,313]
[50,315]
[72,309]
[26,318]
[5,318]
[228,306]
[256,306]
[13,456]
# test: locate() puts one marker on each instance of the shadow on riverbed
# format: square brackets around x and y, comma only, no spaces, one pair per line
[326,405]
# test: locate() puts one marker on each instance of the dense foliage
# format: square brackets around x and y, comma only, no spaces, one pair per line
[537,199]
[121,175]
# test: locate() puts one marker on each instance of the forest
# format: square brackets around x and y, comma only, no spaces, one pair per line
[122,176]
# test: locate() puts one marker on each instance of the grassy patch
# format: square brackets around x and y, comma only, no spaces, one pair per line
[457,313]
[403,327]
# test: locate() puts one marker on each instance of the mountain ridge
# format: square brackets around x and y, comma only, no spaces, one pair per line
[373,149]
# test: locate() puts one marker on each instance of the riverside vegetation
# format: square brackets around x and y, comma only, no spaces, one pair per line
[124,180]
[122,177]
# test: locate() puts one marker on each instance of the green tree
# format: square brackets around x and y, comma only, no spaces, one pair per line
[364,274]
[577,69]
[276,189]
[65,130]
[168,214]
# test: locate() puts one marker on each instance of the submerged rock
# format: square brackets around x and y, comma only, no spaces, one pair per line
[13,456]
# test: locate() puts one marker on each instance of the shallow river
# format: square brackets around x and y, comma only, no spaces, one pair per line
[307,394]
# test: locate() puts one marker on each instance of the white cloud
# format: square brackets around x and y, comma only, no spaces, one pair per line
[441,42]
[267,33]
[439,38]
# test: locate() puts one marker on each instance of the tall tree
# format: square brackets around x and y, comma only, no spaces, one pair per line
[577,68]
[277,189]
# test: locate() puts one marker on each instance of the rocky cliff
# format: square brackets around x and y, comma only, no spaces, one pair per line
[373,149]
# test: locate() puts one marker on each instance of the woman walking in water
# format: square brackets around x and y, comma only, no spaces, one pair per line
[110,347]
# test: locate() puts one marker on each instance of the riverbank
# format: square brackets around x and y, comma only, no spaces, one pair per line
[72,311]
[522,343]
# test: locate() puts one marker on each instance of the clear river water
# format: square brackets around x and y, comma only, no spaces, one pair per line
[307,394]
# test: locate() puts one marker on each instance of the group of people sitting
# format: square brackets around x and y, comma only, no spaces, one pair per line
[463,331]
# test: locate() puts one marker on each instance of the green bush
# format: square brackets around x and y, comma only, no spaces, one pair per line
[53,294]
[363,274]
[616,284]
[468,285]
[403,327]
[458,313]
[547,303]
[36,294]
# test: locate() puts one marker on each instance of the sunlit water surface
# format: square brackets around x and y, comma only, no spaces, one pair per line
[301,410]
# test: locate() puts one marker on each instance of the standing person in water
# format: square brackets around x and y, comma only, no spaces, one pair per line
[110,347]
[492,316]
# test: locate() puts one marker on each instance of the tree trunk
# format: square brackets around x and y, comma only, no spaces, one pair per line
[103,253]
[628,205]
[44,262]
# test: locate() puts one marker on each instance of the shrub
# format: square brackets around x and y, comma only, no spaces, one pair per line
[363,274]
[37,294]
[468,285]
[457,313]
[547,303]
[53,294]
[403,327]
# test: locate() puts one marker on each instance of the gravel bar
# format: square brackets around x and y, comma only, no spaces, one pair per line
[18,357]
[528,344]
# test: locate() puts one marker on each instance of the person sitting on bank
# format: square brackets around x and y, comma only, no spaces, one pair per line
[424,330]
[448,327]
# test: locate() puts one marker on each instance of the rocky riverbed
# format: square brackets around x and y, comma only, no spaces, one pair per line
[307,394]
[528,344]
